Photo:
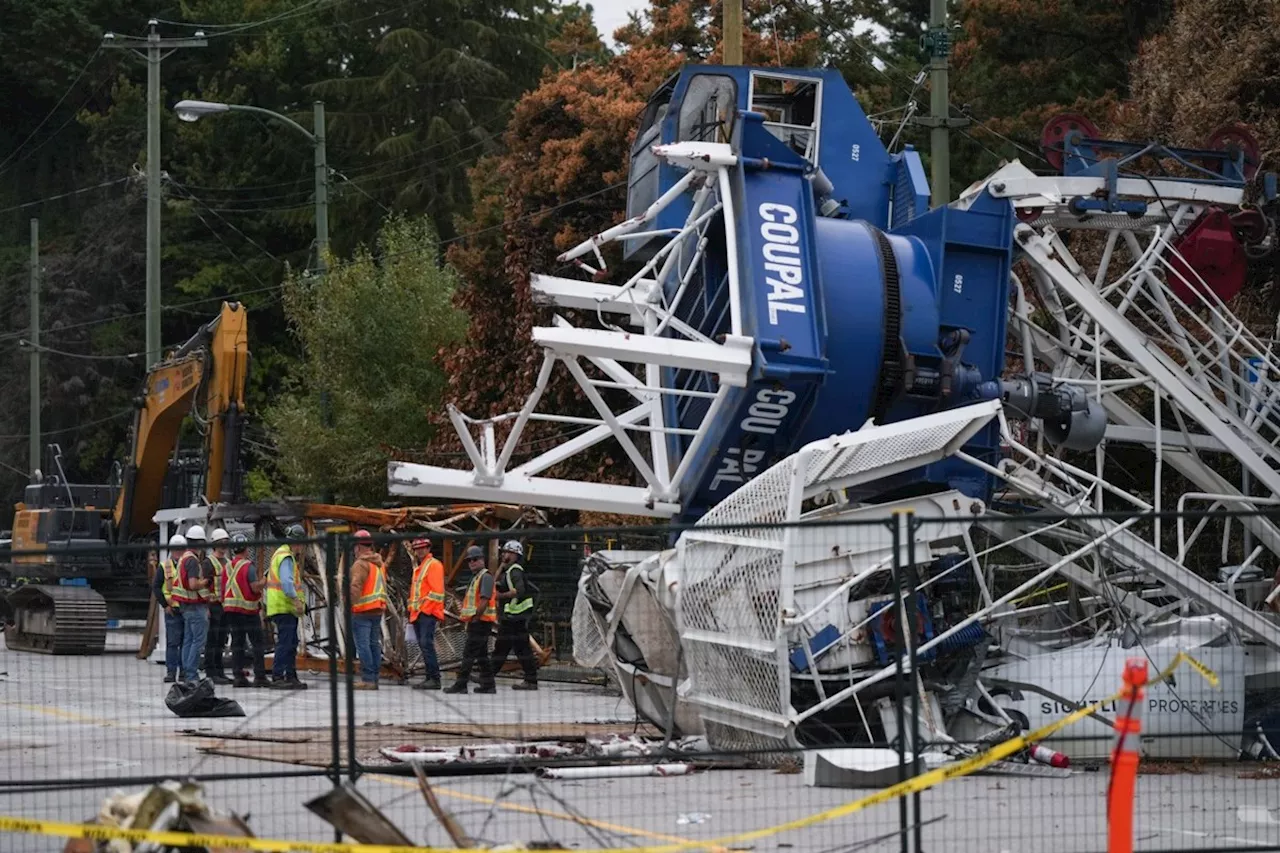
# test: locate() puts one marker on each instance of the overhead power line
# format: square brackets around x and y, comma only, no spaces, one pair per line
[99,421]
[49,115]
[305,9]
[49,198]
[26,344]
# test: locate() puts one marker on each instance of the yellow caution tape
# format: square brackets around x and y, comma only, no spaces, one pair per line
[919,783]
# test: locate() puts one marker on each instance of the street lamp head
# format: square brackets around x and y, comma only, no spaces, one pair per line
[192,110]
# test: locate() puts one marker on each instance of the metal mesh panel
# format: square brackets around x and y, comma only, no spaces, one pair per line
[879,453]
[734,739]
[761,501]
[741,676]
[588,641]
[737,595]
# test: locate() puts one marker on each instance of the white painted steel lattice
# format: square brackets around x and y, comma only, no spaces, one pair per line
[739,569]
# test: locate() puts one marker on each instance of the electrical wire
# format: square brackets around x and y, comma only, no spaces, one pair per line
[67,194]
[200,202]
[27,345]
[65,430]
[88,323]
[305,9]
[49,115]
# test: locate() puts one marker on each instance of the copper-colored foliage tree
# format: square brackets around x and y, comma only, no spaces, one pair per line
[561,179]
[1217,62]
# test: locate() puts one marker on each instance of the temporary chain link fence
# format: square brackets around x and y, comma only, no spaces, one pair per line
[916,683]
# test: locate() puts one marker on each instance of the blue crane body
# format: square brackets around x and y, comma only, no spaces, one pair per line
[861,301]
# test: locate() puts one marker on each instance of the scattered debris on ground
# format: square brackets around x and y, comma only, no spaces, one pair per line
[167,807]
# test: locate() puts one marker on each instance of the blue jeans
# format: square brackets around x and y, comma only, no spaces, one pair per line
[368,628]
[172,642]
[425,627]
[285,664]
[195,633]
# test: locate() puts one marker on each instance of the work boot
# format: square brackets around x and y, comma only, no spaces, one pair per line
[287,684]
[170,677]
[240,681]
[364,685]
[525,685]
[296,684]
[261,681]
[428,684]
[487,688]
[456,687]
[219,678]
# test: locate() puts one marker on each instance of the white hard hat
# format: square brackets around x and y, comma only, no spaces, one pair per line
[195,533]
[220,535]
[177,540]
[514,547]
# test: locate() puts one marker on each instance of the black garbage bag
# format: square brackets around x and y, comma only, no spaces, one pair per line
[199,700]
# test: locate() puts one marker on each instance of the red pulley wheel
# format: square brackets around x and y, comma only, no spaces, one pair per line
[1233,138]
[1053,138]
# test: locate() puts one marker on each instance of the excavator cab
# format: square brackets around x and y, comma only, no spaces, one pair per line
[63,523]
[72,571]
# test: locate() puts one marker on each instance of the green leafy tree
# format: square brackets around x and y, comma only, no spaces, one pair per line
[430,89]
[370,331]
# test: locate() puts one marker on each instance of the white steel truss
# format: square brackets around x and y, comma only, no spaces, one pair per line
[630,360]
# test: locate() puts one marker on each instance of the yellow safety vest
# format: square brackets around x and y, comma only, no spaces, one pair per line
[213,591]
[170,569]
[468,610]
[516,606]
[277,601]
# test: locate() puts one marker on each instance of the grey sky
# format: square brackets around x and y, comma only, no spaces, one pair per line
[611,14]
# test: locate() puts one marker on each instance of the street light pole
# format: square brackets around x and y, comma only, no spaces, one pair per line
[194,110]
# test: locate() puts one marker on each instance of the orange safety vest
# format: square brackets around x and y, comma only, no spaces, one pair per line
[426,590]
[468,611]
[374,595]
[182,591]
[237,595]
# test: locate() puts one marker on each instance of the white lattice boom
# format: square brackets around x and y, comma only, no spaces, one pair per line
[632,361]
[738,609]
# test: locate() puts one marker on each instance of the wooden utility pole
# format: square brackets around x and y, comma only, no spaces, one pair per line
[153,48]
[939,121]
[33,303]
[732,32]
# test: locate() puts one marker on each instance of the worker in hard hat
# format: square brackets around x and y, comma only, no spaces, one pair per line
[426,609]
[162,588]
[219,562]
[368,605]
[286,604]
[479,611]
[515,611]
[242,609]
[188,592]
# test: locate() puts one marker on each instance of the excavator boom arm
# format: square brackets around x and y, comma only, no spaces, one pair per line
[214,364]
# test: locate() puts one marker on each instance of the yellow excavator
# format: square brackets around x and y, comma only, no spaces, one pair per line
[68,576]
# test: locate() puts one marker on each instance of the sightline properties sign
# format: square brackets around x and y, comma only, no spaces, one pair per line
[1186,718]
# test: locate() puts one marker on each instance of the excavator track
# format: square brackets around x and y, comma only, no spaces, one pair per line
[57,620]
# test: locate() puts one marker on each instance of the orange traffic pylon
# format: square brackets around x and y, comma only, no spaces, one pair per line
[1124,759]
